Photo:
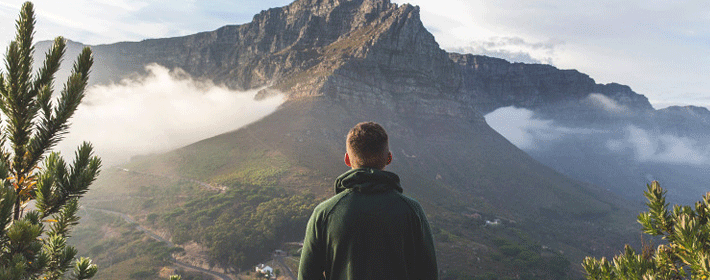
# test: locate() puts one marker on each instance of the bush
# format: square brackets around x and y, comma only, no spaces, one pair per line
[685,256]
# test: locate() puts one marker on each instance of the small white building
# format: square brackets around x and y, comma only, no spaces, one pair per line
[493,223]
[264,269]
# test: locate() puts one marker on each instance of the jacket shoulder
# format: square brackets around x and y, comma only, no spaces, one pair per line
[413,204]
[327,206]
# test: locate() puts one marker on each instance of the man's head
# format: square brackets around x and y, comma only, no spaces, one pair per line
[367,146]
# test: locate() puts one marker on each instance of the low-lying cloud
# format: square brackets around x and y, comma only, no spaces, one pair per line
[606,104]
[661,148]
[526,132]
[161,111]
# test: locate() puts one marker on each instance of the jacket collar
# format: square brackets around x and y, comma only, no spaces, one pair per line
[367,180]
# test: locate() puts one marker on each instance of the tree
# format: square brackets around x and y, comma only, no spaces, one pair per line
[686,254]
[33,239]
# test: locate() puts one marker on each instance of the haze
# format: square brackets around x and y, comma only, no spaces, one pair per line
[161,111]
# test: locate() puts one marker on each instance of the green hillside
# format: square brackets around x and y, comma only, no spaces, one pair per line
[464,174]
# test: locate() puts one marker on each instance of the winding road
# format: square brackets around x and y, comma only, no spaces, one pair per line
[213,187]
[280,259]
[153,235]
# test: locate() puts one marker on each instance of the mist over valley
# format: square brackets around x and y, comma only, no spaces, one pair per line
[622,154]
[158,112]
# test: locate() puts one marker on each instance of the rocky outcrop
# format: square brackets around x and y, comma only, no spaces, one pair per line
[495,83]
[298,48]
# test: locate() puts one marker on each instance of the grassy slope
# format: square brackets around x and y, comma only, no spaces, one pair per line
[463,173]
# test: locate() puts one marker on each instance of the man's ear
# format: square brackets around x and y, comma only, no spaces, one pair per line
[389,158]
[347,160]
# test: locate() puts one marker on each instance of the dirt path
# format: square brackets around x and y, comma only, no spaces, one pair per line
[155,236]
[208,186]
[280,259]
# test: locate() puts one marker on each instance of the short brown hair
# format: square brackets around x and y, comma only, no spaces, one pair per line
[367,145]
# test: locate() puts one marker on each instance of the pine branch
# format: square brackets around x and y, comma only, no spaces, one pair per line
[25,26]
[84,269]
[20,99]
[17,105]
[27,251]
[60,256]
[50,193]
[84,170]
[50,131]
[7,201]
[65,219]
[45,76]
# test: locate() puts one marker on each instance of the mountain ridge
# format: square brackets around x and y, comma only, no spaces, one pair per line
[317,47]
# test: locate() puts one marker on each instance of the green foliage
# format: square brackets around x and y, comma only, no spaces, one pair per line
[33,243]
[119,248]
[529,259]
[241,226]
[686,254]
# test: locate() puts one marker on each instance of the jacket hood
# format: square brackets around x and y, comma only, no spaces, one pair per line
[367,180]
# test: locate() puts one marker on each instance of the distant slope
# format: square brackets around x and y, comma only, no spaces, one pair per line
[456,167]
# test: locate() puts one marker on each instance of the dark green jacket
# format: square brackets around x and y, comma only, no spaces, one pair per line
[368,230]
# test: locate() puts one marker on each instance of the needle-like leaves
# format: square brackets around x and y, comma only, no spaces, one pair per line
[33,243]
[686,256]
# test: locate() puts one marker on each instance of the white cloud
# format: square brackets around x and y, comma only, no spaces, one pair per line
[661,148]
[159,112]
[514,49]
[526,132]
[606,103]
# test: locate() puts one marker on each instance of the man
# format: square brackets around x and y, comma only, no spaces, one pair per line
[369,229]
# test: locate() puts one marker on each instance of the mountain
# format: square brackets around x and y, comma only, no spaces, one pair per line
[341,62]
[496,83]
[607,135]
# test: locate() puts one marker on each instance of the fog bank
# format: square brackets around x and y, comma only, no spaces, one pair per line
[522,128]
[158,112]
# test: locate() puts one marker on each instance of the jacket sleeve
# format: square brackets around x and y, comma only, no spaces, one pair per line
[312,264]
[427,255]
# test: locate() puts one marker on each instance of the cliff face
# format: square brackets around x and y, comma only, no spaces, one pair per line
[498,83]
[298,47]
[357,50]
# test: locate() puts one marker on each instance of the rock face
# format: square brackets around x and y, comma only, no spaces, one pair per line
[302,47]
[498,83]
[356,50]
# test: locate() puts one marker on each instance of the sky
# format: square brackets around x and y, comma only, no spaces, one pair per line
[658,47]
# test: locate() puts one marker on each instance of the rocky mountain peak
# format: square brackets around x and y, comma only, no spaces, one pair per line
[324,7]
[355,50]
[306,48]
